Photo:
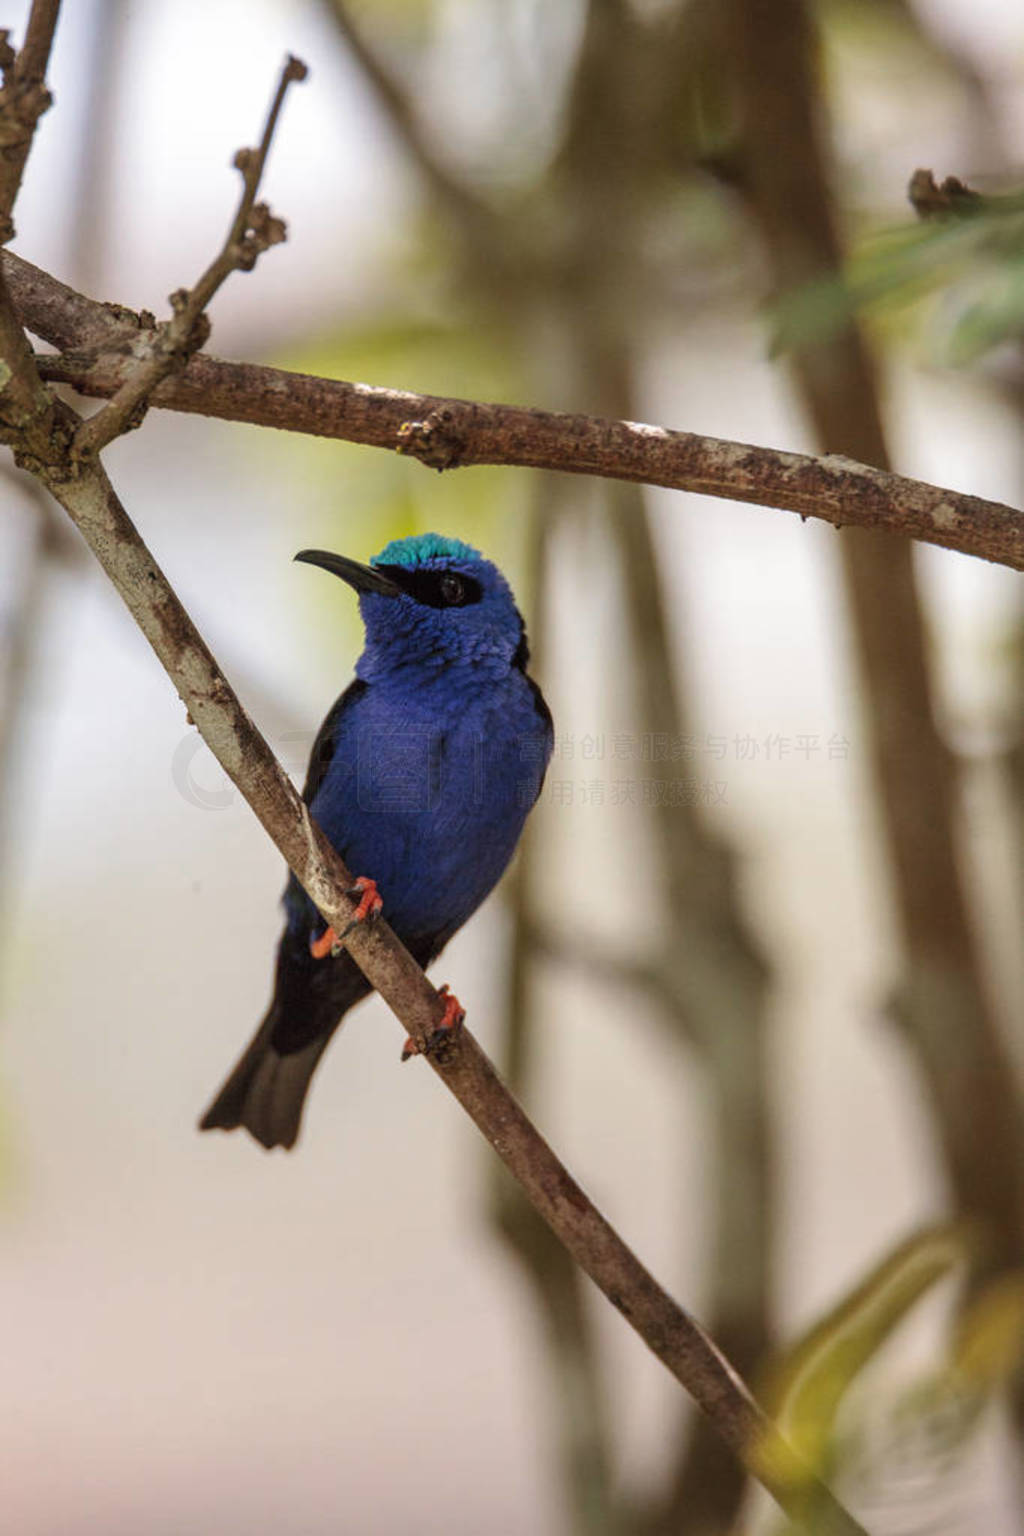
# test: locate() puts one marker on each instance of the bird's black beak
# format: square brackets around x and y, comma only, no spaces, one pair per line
[362,577]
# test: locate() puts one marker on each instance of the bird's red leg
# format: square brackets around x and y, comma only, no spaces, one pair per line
[370,906]
[453,1015]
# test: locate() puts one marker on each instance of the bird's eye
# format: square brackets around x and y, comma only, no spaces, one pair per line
[453,589]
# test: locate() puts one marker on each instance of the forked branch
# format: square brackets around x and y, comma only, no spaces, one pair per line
[253,230]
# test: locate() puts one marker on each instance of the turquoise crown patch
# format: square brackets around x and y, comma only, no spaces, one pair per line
[422,547]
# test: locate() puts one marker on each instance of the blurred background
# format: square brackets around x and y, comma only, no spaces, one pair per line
[757,972]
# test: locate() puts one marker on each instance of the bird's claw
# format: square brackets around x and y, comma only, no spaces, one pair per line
[370,907]
[443,1031]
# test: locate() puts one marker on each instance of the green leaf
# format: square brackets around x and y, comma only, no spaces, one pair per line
[806,1387]
[988,1347]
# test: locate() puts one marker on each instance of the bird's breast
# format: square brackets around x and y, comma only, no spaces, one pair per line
[431,800]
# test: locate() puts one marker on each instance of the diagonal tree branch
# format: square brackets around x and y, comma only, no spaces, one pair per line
[448,433]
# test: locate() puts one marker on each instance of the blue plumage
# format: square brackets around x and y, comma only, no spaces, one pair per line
[422,776]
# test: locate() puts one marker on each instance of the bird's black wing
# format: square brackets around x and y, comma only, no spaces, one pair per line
[323,746]
[521,660]
[540,704]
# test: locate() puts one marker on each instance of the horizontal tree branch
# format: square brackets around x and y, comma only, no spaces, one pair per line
[63,316]
[448,433]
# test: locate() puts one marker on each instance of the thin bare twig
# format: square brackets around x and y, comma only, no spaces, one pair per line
[253,230]
[23,100]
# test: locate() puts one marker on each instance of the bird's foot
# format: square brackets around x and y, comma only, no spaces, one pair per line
[370,906]
[450,1020]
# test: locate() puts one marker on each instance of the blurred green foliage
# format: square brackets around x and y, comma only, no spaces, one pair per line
[807,1386]
[955,277]
[894,1434]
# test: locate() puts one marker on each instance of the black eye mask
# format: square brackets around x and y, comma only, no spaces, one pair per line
[435,589]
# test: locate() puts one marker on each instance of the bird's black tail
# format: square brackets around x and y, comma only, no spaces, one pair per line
[267,1089]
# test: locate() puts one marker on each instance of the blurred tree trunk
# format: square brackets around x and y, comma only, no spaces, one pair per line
[943,1004]
[715,981]
[575,1383]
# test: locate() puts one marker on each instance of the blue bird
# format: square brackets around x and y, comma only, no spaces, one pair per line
[422,776]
